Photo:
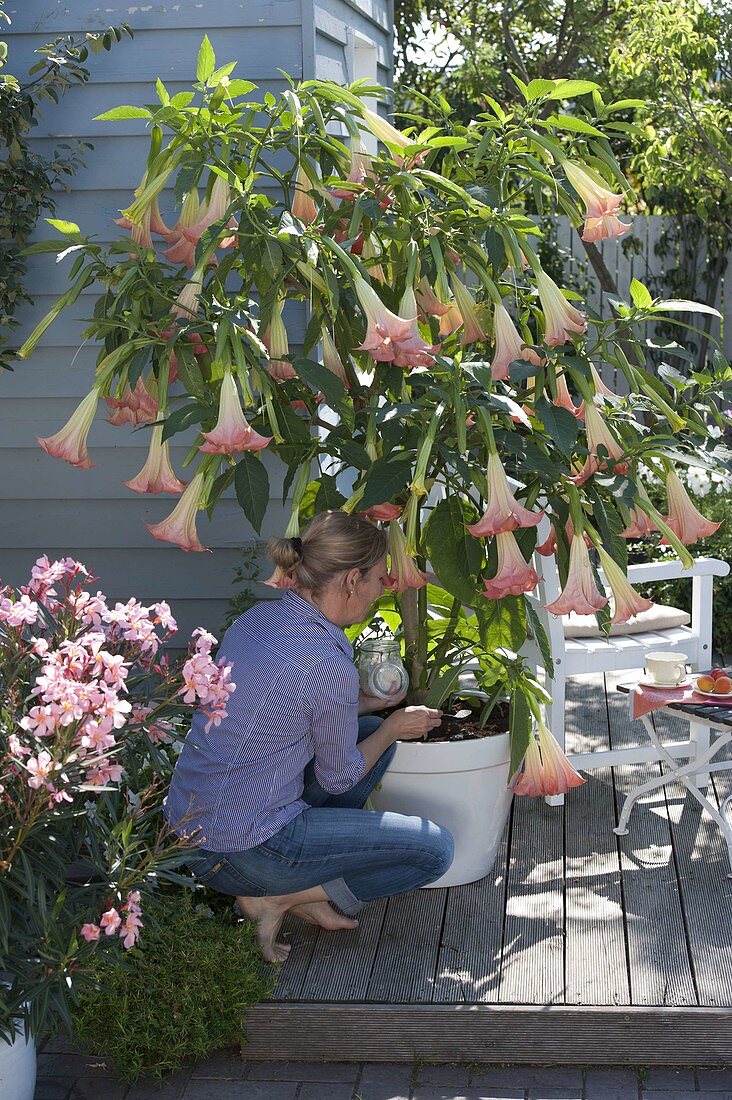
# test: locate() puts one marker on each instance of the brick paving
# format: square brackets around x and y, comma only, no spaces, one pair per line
[66,1075]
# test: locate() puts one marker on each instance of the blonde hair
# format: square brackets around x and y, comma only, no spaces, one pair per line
[332,543]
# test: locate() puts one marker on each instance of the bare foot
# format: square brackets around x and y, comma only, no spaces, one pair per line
[320,912]
[268,917]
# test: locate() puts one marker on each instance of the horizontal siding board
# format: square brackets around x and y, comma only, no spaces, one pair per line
[170,53]
[371,17]
[116,523]
[168,574]
[29,473]
[54,17]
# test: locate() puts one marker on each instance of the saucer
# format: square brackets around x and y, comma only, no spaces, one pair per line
[646,683]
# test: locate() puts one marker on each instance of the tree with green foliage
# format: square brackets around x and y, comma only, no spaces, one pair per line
[28,179]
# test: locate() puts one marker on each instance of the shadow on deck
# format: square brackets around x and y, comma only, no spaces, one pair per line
[579,947]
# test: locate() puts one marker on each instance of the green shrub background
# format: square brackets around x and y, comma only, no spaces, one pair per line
[181,995]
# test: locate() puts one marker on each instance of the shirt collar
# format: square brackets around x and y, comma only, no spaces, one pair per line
[309,611]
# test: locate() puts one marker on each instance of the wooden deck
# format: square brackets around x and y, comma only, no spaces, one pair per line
[580,947]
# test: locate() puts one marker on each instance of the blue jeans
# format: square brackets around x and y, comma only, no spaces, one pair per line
[356,855]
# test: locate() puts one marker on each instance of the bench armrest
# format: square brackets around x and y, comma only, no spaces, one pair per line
[671,570]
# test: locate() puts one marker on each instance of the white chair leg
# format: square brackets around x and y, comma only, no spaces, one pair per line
[699,735]
[555,717]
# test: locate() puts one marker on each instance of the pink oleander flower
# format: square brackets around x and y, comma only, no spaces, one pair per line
[103,774]
[387,335]
[561,319]
[90,932]
[472,330]
[186,304]
[504,513]
[157,475]
[207,683]
[69,443]
[332,360]
[628,603]
[428,301]
[383,513]
[686,522]
[110,922]
[303,204]
[509,346]
[180,526]
[601,205]
[40,768]
[18,612]
[599,435]
[275,340]
[403,571]
[514,574]
[580,593]
[233,433]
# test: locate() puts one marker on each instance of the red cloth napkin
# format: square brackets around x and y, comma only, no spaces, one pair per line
[646,699]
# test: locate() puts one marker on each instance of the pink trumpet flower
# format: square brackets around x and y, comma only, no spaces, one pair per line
[504,513]
[371,251]
[686,522]
[580,593]
[138,406]
[472,331]
[600,388]
[549,546]
[140,233]
[429,303]
[551,773]
[69,443]
[514,574]
[509,345]
[196,220]
[403,571]
[386,133]
[232,433]
[182,251]
[275,340]
[601,205]
[303,205]
[186,304]
[561,319]
[383,513]
[451,321]
[641,523]
[157,475]
[332,360]
[362,168]
[628,603]
[180,526]
[564,399]
[386,333]
[598,434]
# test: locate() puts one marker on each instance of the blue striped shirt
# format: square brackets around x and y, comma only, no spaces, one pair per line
[296,700]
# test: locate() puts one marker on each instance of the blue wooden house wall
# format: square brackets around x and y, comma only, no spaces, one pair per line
[46,505]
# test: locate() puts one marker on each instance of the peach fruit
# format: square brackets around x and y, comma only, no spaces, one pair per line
[705,683]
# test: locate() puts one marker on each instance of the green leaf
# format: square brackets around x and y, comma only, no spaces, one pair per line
[640,294]
[184,417]
[322,380]
[568,89]
[328,497]
[454,554]
[442,687]
[577,125]
[206,62]
[559,423]
[251,483]
[679,305]
[538,89]
[162,92]
[519,725]
[239,87]
[539,636]
[118,113]
[69,229]
[182,99]
[386,478]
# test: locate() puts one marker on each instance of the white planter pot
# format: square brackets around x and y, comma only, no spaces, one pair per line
[17,1068]
[461,785]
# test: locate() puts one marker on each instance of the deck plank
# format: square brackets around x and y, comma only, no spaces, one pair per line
[406,958]
[302,937]
[469,964]
[653,910]
[532,960]
[596,965]
[341,962]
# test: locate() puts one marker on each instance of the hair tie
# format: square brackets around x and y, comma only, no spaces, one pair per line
[297,546]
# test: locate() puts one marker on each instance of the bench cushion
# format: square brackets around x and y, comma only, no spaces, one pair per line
[659,617]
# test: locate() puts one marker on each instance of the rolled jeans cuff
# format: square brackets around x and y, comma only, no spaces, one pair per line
[341,896]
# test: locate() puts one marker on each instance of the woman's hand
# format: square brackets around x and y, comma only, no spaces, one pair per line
[412,723]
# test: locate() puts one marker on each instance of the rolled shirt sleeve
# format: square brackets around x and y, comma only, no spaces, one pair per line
[331,691]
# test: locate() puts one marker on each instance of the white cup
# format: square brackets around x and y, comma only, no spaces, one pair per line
[666,669]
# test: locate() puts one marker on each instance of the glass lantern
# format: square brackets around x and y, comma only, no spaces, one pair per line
[381,671]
